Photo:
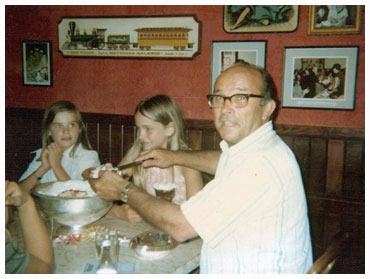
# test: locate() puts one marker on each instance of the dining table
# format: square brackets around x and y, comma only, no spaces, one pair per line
[75,252]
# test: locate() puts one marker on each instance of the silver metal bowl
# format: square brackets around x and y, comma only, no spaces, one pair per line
[72,212]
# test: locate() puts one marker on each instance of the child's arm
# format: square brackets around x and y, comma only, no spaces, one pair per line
[30,181]
[35,234]
[193,181]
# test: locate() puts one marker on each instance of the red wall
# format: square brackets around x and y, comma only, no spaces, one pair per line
[106,85]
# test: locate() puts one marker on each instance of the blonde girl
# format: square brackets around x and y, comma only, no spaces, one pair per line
[159,124]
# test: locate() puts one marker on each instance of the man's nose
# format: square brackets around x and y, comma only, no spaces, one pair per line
[227,105]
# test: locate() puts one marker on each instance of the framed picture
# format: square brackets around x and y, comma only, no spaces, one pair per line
[330,19]
[131,37]
[36,63]
[259,18]
[322,77]
[226,53]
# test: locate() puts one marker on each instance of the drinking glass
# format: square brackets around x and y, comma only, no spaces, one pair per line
[100,236]
[108,238]
[164,185]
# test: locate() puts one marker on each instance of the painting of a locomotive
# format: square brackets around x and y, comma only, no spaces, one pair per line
[175,37]
[142,36]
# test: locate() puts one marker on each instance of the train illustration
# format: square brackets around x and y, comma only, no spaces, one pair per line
[176,38]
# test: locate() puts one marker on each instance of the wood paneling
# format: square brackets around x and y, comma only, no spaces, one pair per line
[331,161]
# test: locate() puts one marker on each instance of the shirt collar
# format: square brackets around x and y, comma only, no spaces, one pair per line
[67,152]
[255,137]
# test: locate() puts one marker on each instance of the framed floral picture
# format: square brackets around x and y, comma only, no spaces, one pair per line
[320,77]
[36,63]
[334,19]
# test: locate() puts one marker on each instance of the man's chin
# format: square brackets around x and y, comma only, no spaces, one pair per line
[230,138]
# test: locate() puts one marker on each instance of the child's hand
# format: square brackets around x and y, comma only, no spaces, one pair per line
[14,195]
[55,154]
[45,164]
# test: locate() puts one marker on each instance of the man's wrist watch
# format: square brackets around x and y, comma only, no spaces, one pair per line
[124,193]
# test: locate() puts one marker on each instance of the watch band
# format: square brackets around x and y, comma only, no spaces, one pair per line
[124,193]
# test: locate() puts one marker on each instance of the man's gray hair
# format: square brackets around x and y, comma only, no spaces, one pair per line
[268,85]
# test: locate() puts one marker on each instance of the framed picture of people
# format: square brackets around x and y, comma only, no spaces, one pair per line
[334,19]
[226,53]
[36,63]
[322,77]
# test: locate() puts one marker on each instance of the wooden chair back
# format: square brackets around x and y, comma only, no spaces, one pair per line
[326,261]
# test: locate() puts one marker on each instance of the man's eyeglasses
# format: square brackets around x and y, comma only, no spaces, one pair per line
[237,100]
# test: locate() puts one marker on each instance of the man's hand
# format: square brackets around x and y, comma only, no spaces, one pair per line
[161,158]
[86,174]
[14,195]
[108,186]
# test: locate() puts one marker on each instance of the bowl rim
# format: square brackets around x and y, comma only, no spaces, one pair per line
[64,198]
[40,195]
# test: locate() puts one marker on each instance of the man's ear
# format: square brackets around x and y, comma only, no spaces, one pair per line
[268,109]
[170,129]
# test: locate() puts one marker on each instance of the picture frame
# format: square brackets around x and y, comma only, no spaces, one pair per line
[320,77]
[260,18]
[329,19]
[225,53]
[130,37]
[36,63]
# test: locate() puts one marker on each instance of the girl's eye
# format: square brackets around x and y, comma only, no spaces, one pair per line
[74,124]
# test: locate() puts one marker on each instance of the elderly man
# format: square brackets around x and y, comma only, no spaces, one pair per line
[252,216]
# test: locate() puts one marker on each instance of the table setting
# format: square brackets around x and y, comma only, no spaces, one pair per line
[86,239]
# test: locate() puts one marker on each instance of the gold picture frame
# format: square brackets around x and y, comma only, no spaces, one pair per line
[343,19]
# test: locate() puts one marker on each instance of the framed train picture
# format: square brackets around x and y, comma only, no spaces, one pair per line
[131,37]
[36,63]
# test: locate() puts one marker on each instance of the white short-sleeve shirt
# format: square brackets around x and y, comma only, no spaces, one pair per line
[73,165]
[253,216]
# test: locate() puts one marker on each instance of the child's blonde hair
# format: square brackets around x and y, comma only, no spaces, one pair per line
[162,109]
[48,119]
